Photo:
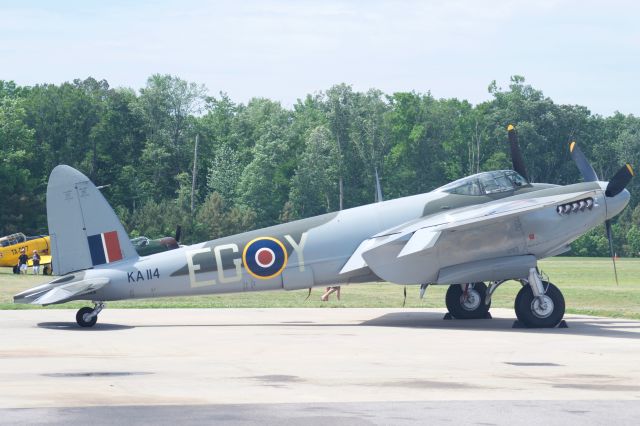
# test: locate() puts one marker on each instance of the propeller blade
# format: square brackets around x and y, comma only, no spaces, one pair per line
[619,181]
[607,225]
[178,233]
[588,174]
[516,155]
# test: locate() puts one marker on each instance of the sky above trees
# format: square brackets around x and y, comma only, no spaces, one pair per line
[577,52]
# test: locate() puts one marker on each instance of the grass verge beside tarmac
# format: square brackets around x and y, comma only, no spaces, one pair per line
[588,286]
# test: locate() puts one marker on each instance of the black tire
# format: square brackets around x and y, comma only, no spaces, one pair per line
[456,307]
[16,269]
[527,314]
[46,270]
[81,320]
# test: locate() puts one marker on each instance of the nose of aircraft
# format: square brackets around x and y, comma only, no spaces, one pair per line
[617,203]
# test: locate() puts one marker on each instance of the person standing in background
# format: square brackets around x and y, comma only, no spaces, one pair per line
[36,262]
[22,261]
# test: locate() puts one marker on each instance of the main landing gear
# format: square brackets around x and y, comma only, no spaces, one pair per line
[467,301]
[539,303]
[87,317]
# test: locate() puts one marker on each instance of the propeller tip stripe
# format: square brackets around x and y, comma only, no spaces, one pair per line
[510,127]
[630,169]
[571,146]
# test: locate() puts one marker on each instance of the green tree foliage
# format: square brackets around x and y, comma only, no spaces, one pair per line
[339,111]
[593,243]
[168,104]
[215,219]
[260,163]
[314,185]
[262,187]
[225,172]
[633,241]
[370,133]
[21,195]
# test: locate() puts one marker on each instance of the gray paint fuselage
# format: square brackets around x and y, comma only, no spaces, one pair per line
[327,243]
[317,250]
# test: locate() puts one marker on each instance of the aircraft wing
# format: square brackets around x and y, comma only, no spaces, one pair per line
[423,234]
[66,292]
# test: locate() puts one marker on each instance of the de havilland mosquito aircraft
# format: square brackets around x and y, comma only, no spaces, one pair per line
[486,228]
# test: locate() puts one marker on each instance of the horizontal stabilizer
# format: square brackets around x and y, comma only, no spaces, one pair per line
[66,292]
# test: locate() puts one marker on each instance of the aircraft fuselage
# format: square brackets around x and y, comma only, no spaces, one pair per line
[314,258]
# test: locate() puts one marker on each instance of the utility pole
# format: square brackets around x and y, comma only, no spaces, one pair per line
[193,175]
[378,196]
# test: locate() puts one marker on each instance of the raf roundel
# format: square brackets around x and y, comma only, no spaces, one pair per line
[264,257]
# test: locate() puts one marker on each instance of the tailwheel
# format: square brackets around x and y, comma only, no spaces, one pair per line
[543,311]
[87,317]
[467,301]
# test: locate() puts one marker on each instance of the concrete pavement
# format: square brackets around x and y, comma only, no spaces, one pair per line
[312,357]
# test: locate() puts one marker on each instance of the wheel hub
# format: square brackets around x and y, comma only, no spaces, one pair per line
[542,306]
[471,300]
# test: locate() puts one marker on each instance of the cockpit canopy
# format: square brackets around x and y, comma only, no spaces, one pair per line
[12,239]
[486,183]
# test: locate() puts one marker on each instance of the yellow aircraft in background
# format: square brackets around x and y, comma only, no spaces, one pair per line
[11,245]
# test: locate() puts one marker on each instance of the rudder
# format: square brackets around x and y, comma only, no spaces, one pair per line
[85,231]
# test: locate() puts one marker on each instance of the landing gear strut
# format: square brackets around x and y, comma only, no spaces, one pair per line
[467,301]
[539,304]
[87,317]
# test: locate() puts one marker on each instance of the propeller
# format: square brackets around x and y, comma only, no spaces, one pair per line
[588,174]
[619,181]
[516,155]
[607,226]
[615,186]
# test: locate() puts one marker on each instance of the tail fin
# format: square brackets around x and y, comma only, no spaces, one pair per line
[85,231]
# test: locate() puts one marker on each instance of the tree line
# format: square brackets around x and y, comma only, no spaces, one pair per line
[261,163]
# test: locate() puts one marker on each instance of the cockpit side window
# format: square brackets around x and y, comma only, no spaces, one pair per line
[495,182]
[466,187]
[518,181]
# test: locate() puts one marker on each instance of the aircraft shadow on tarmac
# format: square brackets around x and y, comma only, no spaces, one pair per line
[581,325]
[75,327]
[585,326]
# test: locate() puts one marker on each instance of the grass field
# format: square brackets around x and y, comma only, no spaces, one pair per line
[587,283]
